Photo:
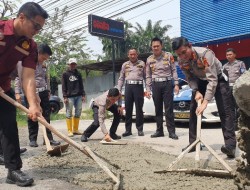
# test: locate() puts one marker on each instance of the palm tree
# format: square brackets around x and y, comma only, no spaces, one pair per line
[121,46]
[140,39]
[143,36]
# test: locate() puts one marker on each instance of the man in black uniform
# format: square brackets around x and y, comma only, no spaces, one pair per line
[133,73]
[16,44]
[206,78]
[160,69]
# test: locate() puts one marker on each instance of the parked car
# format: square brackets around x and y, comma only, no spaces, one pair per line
[181,107]
[56,104]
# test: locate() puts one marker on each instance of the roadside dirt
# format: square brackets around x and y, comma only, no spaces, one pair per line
[135,162]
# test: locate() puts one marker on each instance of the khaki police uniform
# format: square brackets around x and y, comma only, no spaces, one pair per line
[44,93]
[133,75]
[204,74]
[235,70]
[99,107]
[159,74]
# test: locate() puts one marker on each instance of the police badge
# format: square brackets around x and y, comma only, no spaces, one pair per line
[25,45]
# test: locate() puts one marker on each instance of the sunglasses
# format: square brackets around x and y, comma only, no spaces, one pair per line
[36,25]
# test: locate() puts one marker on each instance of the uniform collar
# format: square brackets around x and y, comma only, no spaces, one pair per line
[234,62]
[163,53]
[135,63]
[194,55]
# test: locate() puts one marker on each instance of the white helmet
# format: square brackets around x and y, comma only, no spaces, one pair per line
[72,60]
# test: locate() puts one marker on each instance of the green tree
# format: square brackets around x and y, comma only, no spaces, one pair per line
[138,38]
[7,7]
[143,36]
[63,44]
[121,46]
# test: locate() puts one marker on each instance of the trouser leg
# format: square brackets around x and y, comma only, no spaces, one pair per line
[139,101]
[32,126]
[94,126]
[45,105]
[158,102]
[235,109]
[169,106]
[78,106]
[202,85]
[33,130]
[223,99]
[129,101]
[9,134]
[116,119]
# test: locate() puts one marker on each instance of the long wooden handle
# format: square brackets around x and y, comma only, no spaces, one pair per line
[198,136]
[46,124]
[46,139]
[85,149]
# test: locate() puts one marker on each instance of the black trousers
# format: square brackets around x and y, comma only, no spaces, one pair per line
[235,109]
[134,93]
[10,146]
[34,126]
[163,94]
[94,126]
[223,99]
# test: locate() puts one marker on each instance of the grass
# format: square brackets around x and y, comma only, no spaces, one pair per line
[22,118]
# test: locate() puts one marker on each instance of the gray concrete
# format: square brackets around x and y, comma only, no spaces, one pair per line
[212,136]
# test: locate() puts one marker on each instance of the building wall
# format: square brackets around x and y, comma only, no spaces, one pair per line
[94,86]
[211,20]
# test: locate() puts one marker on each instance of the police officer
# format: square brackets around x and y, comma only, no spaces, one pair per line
[133,73]
[160,69]
[235,69]
[16,44]
[99,106]
[204,74]
[44,52]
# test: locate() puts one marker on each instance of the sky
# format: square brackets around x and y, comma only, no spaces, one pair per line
[166,10]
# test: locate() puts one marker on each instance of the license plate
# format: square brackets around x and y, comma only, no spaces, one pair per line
[182,115]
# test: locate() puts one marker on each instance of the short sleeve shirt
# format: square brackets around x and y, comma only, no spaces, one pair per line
[12,50]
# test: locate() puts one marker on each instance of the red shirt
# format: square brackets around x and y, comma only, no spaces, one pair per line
[12,50]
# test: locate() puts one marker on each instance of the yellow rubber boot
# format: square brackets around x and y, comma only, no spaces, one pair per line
[75,126]
[69,126]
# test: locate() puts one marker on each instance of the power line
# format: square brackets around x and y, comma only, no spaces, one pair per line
[151,10]
[128,10]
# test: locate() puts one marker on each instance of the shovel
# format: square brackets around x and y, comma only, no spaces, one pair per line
[81,147]
[55,151]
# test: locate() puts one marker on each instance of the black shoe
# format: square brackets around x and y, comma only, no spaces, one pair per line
[157,134]
[173,136]
[127,133]
[33,144]
[114,136]
[192,150]
[54,143]
[84,138]
[22,150]
[230,152]
[1,160]
[19,178]
[140,133]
